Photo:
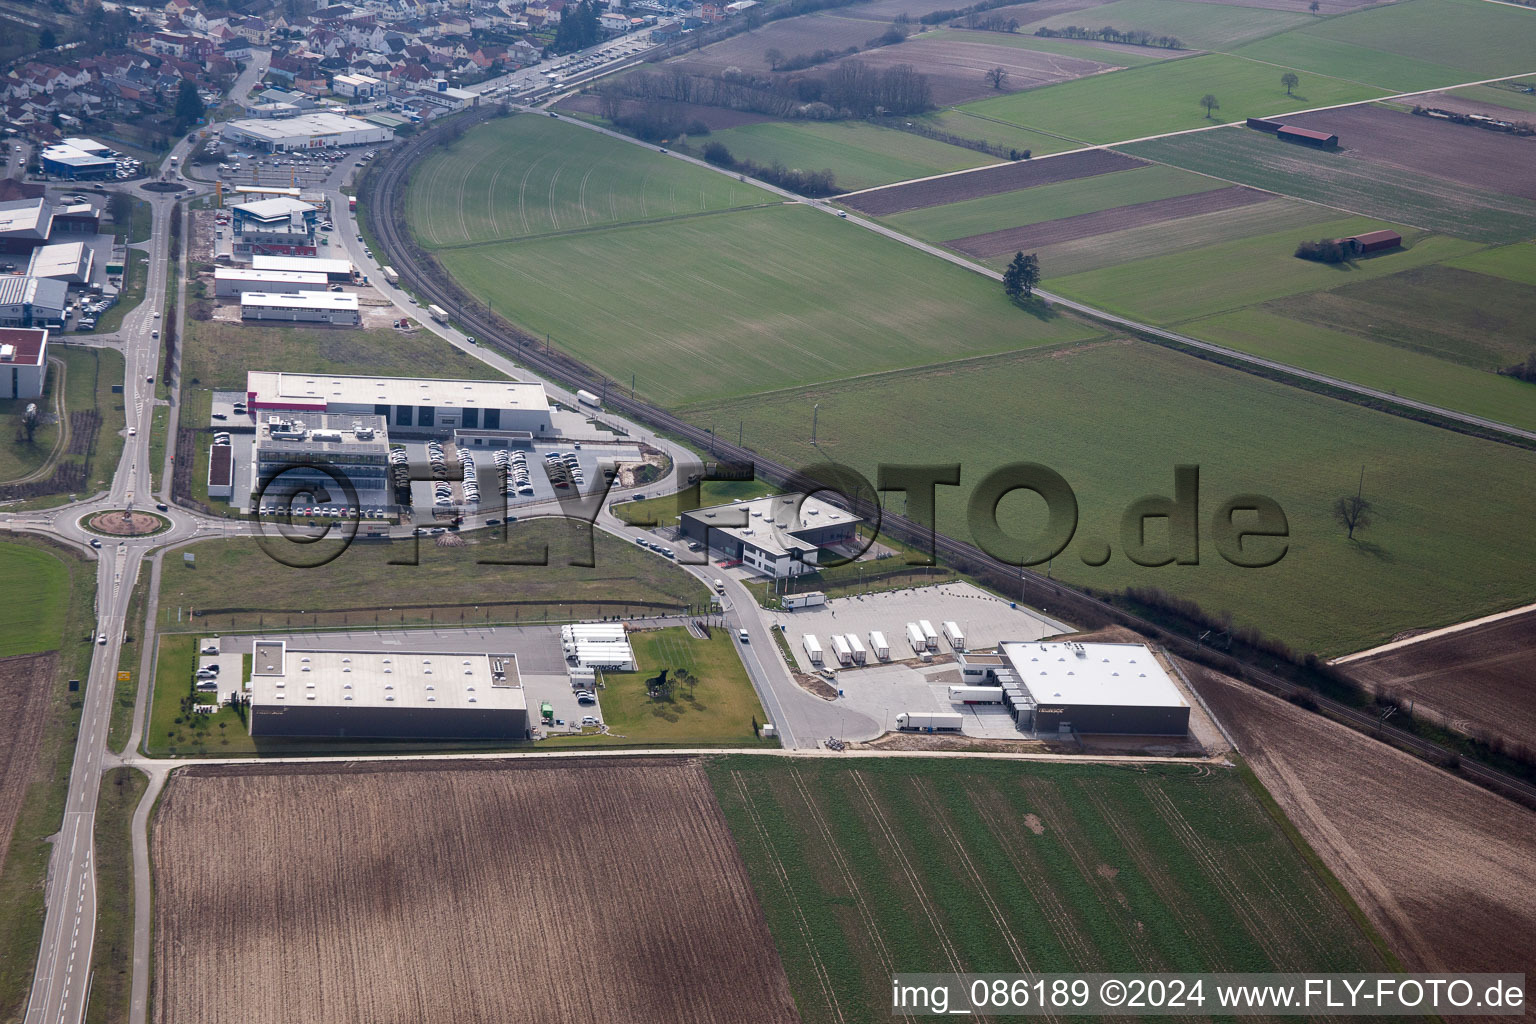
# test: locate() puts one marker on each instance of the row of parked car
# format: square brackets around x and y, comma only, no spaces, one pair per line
[564,470]
[324,511]
[514,473]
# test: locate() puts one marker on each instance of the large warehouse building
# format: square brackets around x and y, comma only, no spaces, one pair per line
[23,362]
[336,270]
[32,301]
[307,131]
[419,406]
[24,224]
[65,261]
[388,695]
[781,535]
[1082,687]
[79,160]
[337,308]
[230,282]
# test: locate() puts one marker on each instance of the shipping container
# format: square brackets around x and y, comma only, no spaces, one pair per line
[812,648]
[975,694]
[929,721]
[879,646]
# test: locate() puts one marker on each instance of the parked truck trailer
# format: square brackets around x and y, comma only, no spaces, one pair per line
[929,721]
[930,635]
[860,655]
[955,637]
[812,599]
[916,639]
[878,645]
[841,649]
[812,648]
[975,694]
[390,274]
[588,398]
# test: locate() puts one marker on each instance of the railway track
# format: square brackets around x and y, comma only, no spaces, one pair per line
[383,189]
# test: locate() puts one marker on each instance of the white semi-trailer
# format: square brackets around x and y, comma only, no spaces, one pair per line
[812,648]
[841,649]
[588,398]
[975,694]
[955,637]
[916,639]
[812,599]
[930,635]
[929,721]
[857,647]
[879,646]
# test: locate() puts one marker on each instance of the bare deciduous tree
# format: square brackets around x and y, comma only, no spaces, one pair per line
[1353,513]
[997,76]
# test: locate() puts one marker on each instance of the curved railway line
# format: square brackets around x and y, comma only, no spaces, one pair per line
[383,189]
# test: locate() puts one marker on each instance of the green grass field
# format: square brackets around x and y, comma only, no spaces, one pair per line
[998,133]
[1313,54]
[746,302]
[112,955]
[36,624]
[1501,95]
[1024,39]
[869,868]
[1195,25]
[1115,418]
[1345,181]
[1511,262]
[529,175]
[1164,97]
[1049,202]
[716,708]
[88,376]
[859,155]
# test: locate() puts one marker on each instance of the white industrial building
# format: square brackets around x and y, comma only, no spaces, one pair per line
[79,159]
[23,362]
[298,455]
[24,224]
[592,645]
[337,308]
[307,131]
[336,270]
[360,87]
[32,301]
[385,695]
[411,405]
[230,282]
[780,535]
[65,261]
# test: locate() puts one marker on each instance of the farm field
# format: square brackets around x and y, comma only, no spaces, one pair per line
[1115,54]
[1198,26]
[1348,182]
[1141,184]
[871,867]
[804,34]
[526,175]
[36,624]
[1246,434]
[236,584]
[1477,680]
[1164,97]
[984,129]
[1440,867]
[1312,54]
[750,301]
[1498,96]
[989,182]
[322,893]
[715,707]
[1225,276]
[858,154]
[1512,262]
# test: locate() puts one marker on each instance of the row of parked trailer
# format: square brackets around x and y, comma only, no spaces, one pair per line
[847,648]
[923,637]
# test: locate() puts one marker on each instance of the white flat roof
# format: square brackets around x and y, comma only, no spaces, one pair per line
[303,126]
[771,523]
[77,157]
[25,215]
[287,276]
[301,263]
[273,386]
[301,300]
[61,259]
[1067,672]
[273,209]
[373,679]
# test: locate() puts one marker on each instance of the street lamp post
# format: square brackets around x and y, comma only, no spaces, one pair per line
[815,416]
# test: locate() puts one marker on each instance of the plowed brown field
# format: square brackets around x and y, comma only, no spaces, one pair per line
[456,893]
[24,684]
[989,181]
[1441,867]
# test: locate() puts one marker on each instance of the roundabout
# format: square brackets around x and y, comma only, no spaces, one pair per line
[125,523]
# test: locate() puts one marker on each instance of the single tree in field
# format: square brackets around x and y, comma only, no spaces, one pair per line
[29,420]
[774,57]
[1314,6]
[1209,102]
[1290,81]
[997,76]
[1353,513]
[1021,277]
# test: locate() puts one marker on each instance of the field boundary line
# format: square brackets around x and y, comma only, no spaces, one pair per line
[1397,645]
[568,232]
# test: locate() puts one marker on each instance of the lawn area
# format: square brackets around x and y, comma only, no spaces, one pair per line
[1313,54]
[714,706]
[217,353]
[112,955]
[36,624]
[859,155]
[531,175]
[18,456]
[1512,262]
[1412,568]
[749,301]
[1198,26]
[866,868]
[1346,181]
[135,277]
[664,510]
[997,133]
[88,385]
[1049,202]
[236,584]
[1164,97]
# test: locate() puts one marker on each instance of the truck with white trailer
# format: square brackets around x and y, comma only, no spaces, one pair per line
[841,649]
[916,639]
[930,635]
[929,721]
[860,655]
[955,637]
[438,313]
[588,398]
[878,645]
[390,274]
[812,599]
[812,648]
[975,694]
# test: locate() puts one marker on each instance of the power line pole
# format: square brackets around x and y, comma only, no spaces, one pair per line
[815,417]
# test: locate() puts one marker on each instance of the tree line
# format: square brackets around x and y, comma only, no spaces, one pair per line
[851,89]
[777,61]
[806,183]
[1110,34]
[578,28]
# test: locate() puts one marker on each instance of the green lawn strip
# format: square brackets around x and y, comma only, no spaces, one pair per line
[125,693]
[717,710]
[1247,434]
[112,955]
[1512,262]
[159,426]
[41,813]
[1195,25]
[663,510]
[859,155]
[1049,202]
[1164,97]
[141,226]
[135,278]
[749,301]
[18,456]
[92,374]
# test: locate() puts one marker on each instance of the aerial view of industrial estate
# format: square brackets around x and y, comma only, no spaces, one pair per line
[683,511]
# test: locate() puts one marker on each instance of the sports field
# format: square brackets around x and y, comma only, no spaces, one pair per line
[869,868]
[1348,181]
[1115,418]
[1198,26]
[36,623]
[746,302]
[1165,97]
[528,175]
[859,155]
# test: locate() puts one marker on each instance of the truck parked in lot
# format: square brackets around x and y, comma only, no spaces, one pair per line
[813,599]
[975,694]
[854,645]
[916,639]
[930,635]
[841,649]
[929,721]
[879,646]
[812,648]
[955,637]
